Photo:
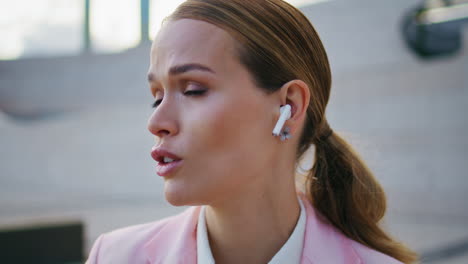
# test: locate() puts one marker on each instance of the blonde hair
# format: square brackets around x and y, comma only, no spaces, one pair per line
[277,43]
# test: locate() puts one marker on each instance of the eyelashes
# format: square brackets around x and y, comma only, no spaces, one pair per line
[188,93]
[156,103]
[195,92]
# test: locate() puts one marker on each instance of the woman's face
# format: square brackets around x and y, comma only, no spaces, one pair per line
[222,132]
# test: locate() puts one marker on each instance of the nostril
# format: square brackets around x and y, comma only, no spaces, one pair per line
[162,132]
[156,128]
[162,125]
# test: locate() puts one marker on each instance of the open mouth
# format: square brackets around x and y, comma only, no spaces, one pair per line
[167,168]
[167,160]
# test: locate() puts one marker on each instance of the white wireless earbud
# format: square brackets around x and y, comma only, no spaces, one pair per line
[285,111]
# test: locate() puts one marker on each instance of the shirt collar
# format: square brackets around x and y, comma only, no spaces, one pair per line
[291,251]
[204,254]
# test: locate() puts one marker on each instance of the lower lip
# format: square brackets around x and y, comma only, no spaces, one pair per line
[165,170]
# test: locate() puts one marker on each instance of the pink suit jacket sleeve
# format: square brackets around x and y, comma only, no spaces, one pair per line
[93,255]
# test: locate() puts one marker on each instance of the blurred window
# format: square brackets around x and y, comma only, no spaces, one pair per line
[159,9]
[43,28]
[32,28]
[114,25]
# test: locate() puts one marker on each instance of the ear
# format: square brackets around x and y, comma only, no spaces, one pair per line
[296,93]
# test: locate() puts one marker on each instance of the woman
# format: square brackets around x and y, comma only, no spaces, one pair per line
[220,72]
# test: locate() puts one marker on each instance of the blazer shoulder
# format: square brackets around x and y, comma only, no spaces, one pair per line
[139,231]
[126,245]
[369,255]
[324,243]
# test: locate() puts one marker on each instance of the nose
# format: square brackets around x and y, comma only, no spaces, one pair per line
[163,121]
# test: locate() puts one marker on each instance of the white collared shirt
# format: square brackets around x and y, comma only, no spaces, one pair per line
[290,252]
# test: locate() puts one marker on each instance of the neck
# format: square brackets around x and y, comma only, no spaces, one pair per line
[255,225]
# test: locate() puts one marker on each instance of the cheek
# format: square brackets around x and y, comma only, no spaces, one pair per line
[229,125]
[231,133]
[228,144]
[212,136]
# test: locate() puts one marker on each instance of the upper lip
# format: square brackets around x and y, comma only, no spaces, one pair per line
[159,153]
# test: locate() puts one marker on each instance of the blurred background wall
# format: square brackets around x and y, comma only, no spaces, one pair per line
[74,104]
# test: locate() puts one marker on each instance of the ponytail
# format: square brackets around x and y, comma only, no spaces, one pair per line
[344,190]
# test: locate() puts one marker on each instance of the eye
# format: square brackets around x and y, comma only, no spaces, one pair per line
[195,92]
[198,89]
[188,93]
[156,103]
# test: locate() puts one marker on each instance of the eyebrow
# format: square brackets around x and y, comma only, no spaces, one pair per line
[179,69]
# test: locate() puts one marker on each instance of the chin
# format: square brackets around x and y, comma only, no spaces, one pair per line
[175,200]
[177,195]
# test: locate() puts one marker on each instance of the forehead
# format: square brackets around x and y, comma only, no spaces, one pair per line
[191,41]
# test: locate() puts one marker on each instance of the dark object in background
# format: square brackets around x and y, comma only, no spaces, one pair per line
[61,243]
[435,31]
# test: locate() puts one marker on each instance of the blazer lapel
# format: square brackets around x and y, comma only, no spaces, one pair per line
[323,243]
[176,241]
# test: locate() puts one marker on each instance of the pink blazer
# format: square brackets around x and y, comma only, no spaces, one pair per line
[173,240]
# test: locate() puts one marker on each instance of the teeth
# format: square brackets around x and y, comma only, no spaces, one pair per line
[167,160]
